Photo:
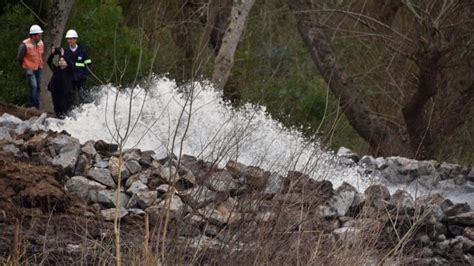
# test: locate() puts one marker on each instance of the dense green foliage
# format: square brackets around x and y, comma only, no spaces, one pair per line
[272,64]
[115,49]
[13,86]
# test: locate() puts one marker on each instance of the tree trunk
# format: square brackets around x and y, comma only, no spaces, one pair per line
[414,109]
[183,38]
[212,34]
[225,57]
[382,138]
[53,34]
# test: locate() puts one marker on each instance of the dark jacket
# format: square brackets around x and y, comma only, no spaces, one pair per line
[81,61]
[61,86]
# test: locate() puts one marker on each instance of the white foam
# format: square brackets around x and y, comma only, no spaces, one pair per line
[215,132]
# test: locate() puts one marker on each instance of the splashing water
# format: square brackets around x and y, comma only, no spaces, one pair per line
[197,122]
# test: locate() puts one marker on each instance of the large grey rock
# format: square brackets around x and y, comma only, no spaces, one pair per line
[457,209]
[346,156]
[81,186]
[5,134]
[367,161]
[136,187]
[467,245]
[221,182]
[142,177]
[175,205]
[403,170]
[104,147]
[215,216]
[235,167]
[339,204]
[68,150]
[107,198]
[132,154]
[377,193]
[187,179]
[10,148]
[9,121]
[89,149]
[169,173]
[38,123]
[37,143]
[434,214]
[82,165]
[143,199]
[154,213]
[469,233]
[466,219]
[449,170]
[457,245]
[102,176]
[109,214]
[370,162]
[133,166]
[256,177]
[163,189]
[198,196]
[275,184]
[429,181]
[146,158]
[402,200]
[117,168]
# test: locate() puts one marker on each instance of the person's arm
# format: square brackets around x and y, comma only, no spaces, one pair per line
[21,53]
[50,62]
[87,61]
[70,64]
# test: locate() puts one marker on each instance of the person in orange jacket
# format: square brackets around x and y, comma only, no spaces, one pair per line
[30,56]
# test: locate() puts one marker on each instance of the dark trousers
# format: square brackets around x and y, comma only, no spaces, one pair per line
[79,92]
[61,102]
[34,82]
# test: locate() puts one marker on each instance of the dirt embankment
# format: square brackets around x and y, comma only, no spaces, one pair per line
[31,191]
[18,111]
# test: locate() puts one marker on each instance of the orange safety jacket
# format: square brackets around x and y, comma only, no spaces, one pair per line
[34,55]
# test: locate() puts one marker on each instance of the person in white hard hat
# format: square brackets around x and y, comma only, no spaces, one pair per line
[30,56]
[77,54]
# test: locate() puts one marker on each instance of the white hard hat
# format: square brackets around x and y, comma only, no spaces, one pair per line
[71,34]
[35,29]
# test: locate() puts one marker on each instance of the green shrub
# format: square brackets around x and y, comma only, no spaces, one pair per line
[15,21]
[113,47]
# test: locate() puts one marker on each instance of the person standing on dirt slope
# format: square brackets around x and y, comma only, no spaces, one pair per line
[77,54]
[61,85]
[30,56]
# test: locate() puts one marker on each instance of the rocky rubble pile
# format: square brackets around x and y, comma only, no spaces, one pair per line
[214,203]
[419,175]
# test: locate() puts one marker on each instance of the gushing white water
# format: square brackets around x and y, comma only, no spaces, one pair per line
[199,123]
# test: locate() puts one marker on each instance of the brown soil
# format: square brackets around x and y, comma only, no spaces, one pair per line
[20,112]
[31,192]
